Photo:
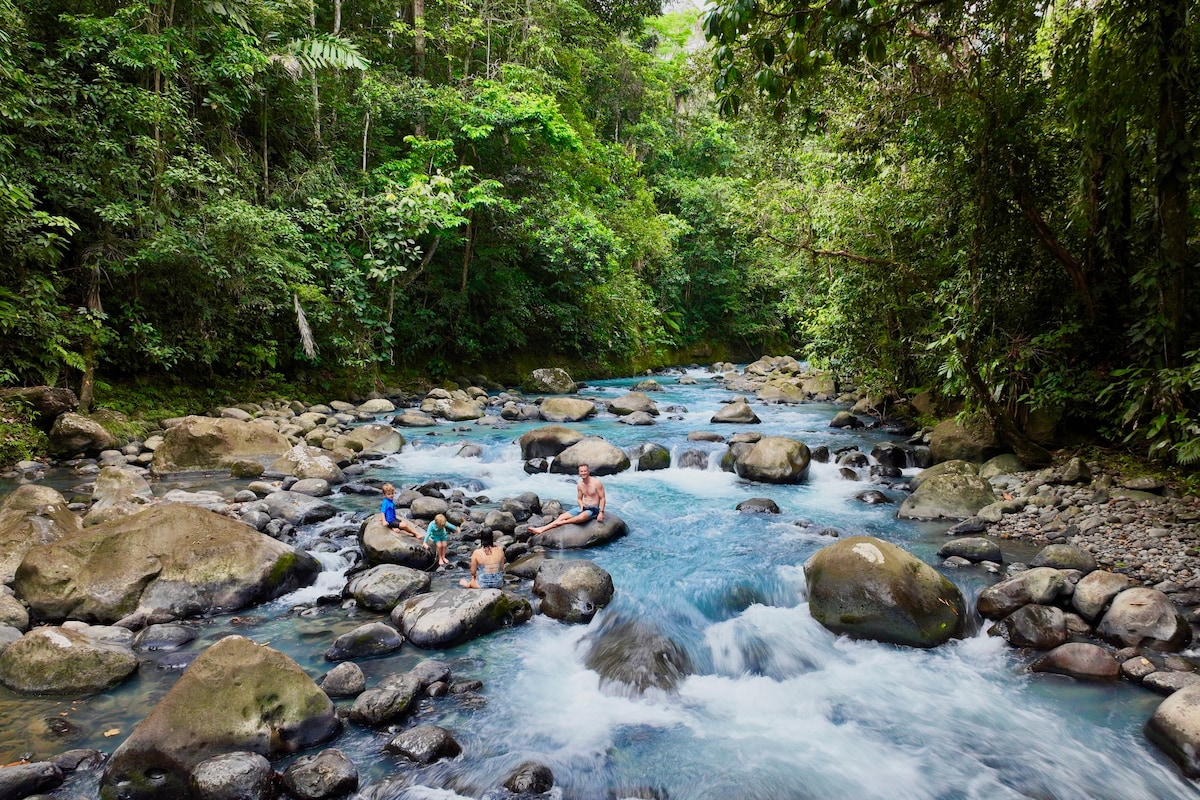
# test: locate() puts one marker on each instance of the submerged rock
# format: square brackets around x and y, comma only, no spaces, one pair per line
[635,653]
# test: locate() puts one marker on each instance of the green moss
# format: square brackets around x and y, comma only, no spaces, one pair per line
[20,440]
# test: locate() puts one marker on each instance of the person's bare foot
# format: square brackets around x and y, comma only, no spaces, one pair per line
[536,530]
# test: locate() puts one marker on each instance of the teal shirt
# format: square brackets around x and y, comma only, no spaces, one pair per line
[435,534]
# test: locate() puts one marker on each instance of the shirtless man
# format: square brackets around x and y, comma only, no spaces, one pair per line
[590,496]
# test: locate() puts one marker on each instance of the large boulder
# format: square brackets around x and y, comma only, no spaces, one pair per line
[738,413]
[870,589]
[601,457]
[381,587]
[547,441]
[450,617]
[202,443]
[382,545]
[782,392]
[46,402]
[1144,617]
[119,492]
[589,534]
[1041,585]
[947,497]
[634,653]
[1033,625]
[294,507]
[634,401]
[32,515]
[1095,590]
[51,660]
[953,467]
[304,462]
[974,440]
[1175,727]
[549,380]
[572,590]
[1081,660]
[74,433]
[372,439]
[567,409]
[237,695]
[168,562]
[774,459]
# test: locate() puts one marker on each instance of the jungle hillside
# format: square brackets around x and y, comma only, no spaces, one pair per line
[991,201]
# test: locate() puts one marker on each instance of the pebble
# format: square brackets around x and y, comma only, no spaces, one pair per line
[1153,542]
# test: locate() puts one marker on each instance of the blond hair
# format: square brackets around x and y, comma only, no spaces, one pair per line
[387,488]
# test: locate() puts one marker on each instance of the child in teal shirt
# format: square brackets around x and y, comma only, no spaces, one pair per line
[438,533]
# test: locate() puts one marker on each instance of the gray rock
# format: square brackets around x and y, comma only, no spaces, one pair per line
[1037,626]
[651,457]
[382,545]
[371,639]
[450,617]
[588,534]
[633,652]
[774,459]
[1081,660]
[572,590]
[386,703]
[602,458]
[326,775]
[168,562]
[296,508]
[758,505]
[381,587]
[530,777]
[1095,590]
[1175,728]
[1041,585]
[738,413]
[567,409]
[233,776]
[947,497]
[631,403]
[1064,556]
[1141,617]
[974,549]
[22,780]
[164,636]
[424,744]
[344,680]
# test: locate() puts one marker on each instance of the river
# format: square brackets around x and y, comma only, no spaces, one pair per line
[778,707]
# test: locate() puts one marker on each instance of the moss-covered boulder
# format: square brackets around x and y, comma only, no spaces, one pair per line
[947,497]
[454,616]
[549,380]
[237,696]
[870,589]
[201,443]
[974,440]
[774,459]
[165,563]
[32,515]
[51,660]
[74,433]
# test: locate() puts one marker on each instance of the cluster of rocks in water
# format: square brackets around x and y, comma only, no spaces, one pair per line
[1101,601]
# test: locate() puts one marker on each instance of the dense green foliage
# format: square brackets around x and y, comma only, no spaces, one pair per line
[261,186]
[991,198]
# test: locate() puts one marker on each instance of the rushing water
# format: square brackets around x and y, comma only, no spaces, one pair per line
[778,707]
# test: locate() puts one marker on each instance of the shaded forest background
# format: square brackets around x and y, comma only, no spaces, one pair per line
[993,200]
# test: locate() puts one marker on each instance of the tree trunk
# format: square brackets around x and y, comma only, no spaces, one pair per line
[419,55]
[1173,156]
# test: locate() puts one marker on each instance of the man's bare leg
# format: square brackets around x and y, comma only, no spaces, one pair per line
[562,519]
